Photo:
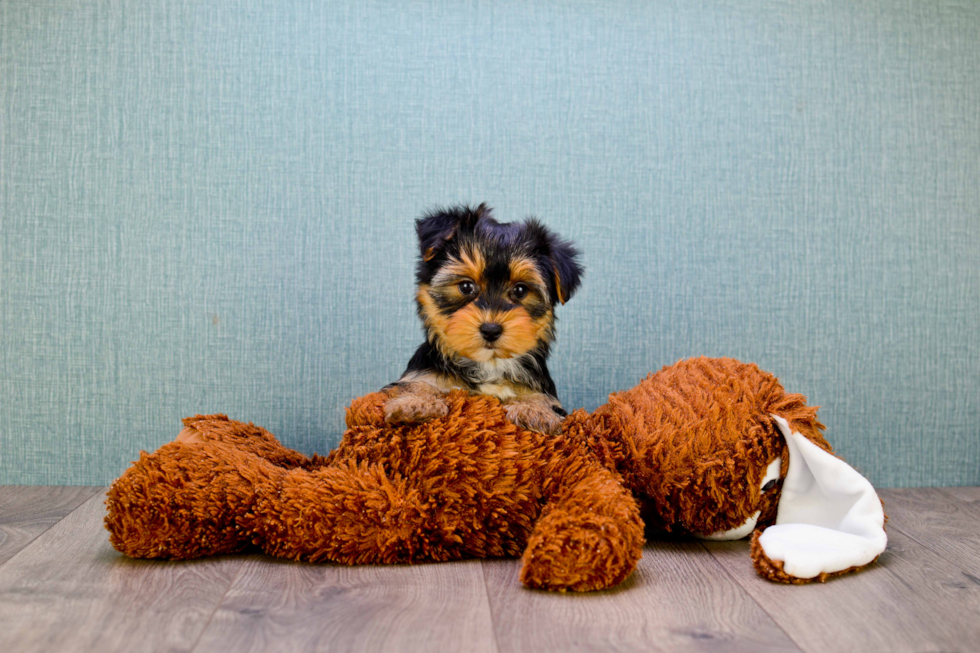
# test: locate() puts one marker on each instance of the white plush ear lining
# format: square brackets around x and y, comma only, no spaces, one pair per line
[829,517]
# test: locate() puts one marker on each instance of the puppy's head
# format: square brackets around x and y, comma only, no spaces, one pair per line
[487,290]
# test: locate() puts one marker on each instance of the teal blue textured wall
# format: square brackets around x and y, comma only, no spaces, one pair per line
[208,205]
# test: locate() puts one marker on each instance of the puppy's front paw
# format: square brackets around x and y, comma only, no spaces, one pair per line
[536,413]
[411,405]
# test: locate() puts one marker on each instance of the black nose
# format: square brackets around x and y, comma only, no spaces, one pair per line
[491,331]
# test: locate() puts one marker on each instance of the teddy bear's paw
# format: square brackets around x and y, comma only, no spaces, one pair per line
[414,405]
[537,412]
[580,555]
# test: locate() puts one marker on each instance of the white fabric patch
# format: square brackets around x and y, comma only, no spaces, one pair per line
[829,516]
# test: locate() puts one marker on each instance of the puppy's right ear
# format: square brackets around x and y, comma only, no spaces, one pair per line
[438,227]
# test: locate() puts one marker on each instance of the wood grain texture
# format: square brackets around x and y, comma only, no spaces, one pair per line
[28,511]
[940,523]
[910,600]
[285,606]
[678,599]
[969,494]
[70,591]
[67,590]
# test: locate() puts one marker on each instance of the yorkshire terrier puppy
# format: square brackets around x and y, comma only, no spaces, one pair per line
[486,295]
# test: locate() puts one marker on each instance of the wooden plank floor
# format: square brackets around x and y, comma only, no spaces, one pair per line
[63,588]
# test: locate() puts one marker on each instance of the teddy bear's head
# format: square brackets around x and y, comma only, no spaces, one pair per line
[717,449]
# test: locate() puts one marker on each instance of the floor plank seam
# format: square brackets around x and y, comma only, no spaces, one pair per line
[735,580]
[217,606]
[493,618]
[34,539]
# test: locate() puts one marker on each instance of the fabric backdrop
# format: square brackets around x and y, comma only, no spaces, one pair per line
[208,205]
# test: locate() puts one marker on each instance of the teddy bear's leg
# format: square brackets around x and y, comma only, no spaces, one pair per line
[352,515]
[589,537]
[183,501]
[209,498]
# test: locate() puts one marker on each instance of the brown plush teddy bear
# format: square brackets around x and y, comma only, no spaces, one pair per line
[711,447]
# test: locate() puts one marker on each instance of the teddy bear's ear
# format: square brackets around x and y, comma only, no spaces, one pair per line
[829,519]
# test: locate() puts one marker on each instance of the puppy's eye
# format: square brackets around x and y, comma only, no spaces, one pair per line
[768,486]
[519,291]
[467,287]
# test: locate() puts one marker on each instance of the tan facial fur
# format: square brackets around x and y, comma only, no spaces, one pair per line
[522,269]
[469,265]
[459,332]
[463,333]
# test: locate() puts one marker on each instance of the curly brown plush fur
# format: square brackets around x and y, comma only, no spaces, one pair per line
[689,443]
[386,495]
[694,440]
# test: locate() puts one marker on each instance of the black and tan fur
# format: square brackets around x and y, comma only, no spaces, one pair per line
[486,294]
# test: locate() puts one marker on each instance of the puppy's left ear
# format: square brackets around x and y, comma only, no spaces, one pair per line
[559,258]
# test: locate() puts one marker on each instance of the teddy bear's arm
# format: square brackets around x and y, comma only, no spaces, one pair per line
[589,537]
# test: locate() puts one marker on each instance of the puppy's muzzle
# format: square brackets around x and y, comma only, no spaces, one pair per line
[490,331]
